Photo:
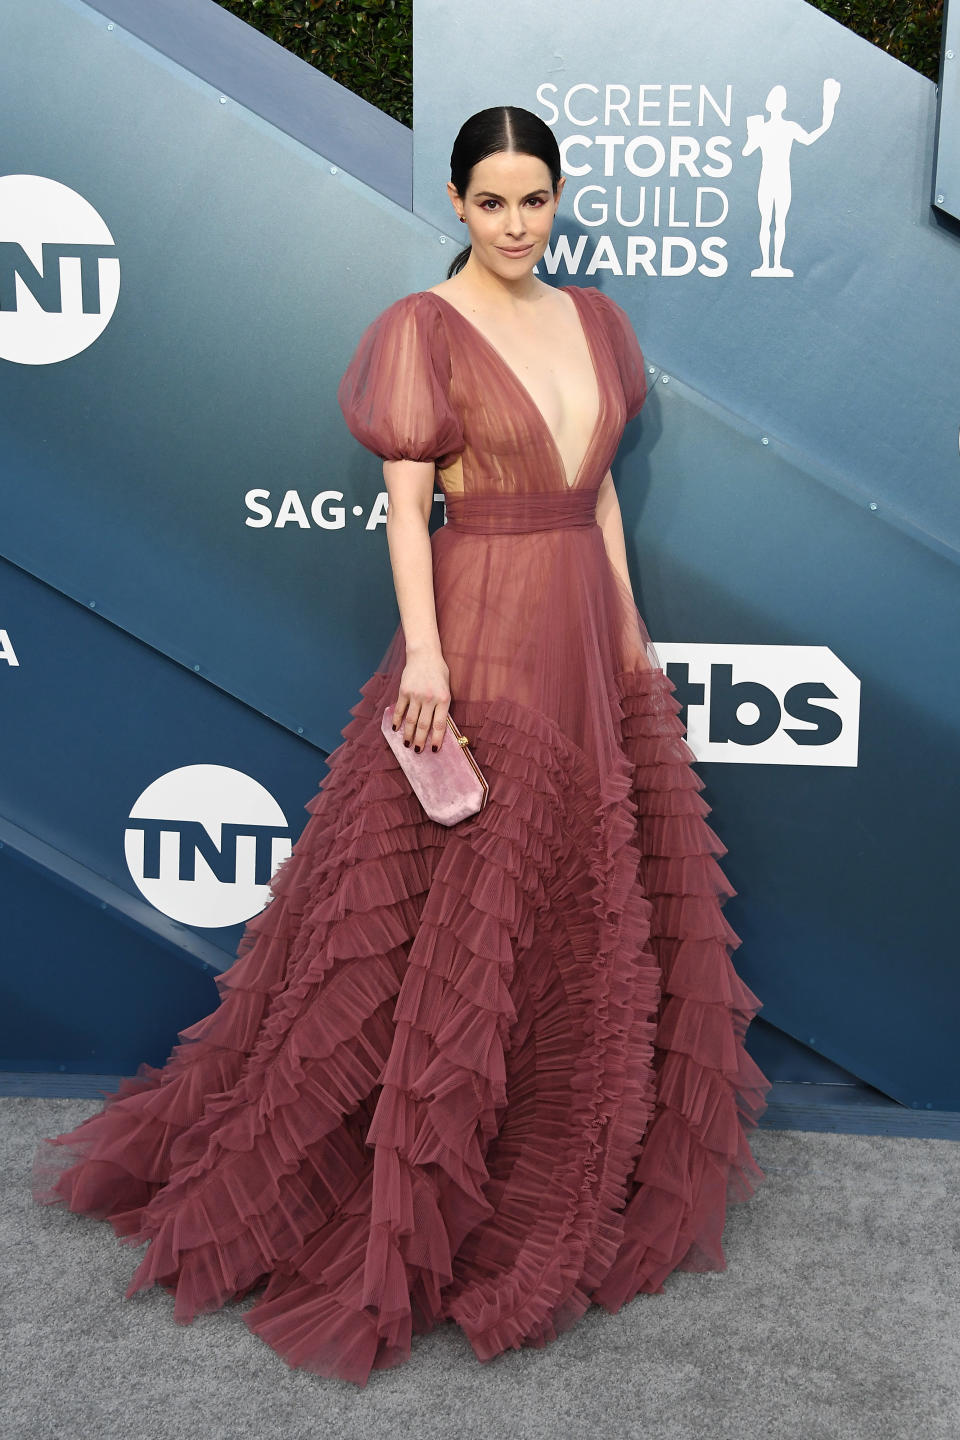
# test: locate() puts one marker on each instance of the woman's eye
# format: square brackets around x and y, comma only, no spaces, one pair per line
[537,201]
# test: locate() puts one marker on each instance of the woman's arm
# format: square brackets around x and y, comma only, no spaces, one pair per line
[610,520]
[424,697]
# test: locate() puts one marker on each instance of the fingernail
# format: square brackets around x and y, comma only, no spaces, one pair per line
[407,743]
[434,747]
[394,727]
[417,748]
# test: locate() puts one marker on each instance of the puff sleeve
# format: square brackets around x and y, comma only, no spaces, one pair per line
[395,392]
[626,350]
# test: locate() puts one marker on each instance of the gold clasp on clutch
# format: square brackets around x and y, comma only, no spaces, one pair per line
[464,744]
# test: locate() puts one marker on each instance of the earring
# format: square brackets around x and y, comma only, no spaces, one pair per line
[463,220]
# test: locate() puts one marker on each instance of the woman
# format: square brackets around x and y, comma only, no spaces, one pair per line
[493,1072]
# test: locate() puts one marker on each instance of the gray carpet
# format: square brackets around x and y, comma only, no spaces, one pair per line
[837,1318]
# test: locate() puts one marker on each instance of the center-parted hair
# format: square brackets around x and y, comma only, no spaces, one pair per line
[488,132]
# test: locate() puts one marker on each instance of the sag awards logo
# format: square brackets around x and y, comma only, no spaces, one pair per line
[655,190]
[202,843]
[59,271]
[325,510]
[766,704]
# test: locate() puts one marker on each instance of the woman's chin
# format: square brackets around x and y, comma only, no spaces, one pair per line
[514,267]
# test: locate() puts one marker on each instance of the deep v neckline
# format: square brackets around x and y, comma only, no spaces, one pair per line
[525,391]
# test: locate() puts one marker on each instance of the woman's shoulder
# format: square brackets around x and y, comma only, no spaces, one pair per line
[625,347]
[601,303]
[418,304]
[412,319]
[406,339]
[612,318]
[393,393]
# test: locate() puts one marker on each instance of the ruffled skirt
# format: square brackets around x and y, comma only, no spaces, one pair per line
[489,1074]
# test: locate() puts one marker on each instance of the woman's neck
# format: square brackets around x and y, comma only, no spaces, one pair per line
[487,288]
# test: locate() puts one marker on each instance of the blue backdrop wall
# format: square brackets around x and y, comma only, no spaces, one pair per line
[194,580]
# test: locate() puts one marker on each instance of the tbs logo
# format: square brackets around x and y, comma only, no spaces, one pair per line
[202,843]
[766,704]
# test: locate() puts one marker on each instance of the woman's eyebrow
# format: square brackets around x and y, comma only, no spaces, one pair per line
[491,195]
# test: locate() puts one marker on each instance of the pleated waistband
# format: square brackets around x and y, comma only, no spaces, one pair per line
[514,514]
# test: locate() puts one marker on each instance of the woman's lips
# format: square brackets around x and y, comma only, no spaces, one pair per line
[520,250]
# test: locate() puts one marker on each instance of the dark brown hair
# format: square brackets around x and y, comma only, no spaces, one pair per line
[502,127]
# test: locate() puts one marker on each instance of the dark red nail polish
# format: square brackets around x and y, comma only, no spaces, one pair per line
[394,727]
[407,743]
[417,748]
[434,747]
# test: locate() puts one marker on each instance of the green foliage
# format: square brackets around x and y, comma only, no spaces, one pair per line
[367,45]
[906,29]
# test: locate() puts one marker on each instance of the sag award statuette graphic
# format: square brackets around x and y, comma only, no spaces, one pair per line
[774,139]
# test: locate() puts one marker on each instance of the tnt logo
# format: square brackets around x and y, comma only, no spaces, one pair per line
[766,704]
[59,271]
[202,843]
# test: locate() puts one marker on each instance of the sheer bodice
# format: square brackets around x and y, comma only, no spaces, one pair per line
[461,404]
[516,564]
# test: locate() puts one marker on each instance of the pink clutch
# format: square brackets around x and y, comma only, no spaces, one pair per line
[447,782]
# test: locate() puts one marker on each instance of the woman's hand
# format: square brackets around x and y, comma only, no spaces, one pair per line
[424,699]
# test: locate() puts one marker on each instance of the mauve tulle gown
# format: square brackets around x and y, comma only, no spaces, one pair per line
[492,1073]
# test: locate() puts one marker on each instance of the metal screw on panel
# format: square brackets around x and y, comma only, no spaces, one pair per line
[91,605]
[765,440]
[110,26]
[665,379]
[939,199]
[223,99]
[333,170]
[196,667]
[443,239]
[299,729]
[873,505]
[949,54]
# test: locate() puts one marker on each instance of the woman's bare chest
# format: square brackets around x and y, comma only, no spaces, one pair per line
[552,360]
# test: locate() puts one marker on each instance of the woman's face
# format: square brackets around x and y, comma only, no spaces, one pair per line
[509,208]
